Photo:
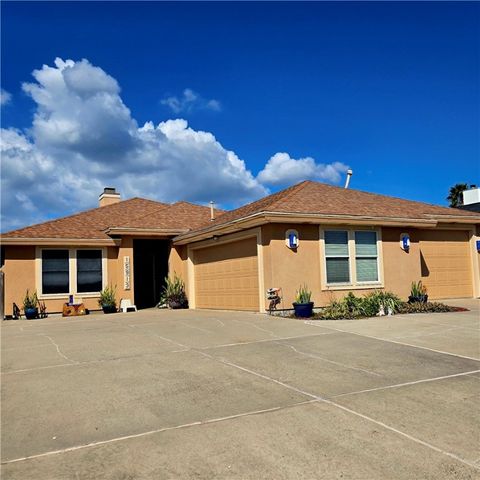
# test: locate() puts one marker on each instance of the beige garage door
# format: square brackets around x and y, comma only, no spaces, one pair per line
[446,264]
[226,276]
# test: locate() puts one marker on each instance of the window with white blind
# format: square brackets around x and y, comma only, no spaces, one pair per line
[366,256]
[337,256]
[351,258]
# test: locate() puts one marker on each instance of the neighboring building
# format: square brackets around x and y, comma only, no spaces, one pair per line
[348,240]
[471,200]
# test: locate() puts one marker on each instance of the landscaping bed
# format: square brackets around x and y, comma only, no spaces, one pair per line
[377,303]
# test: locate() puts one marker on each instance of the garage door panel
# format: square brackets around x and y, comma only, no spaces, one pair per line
[446,264]
[226,276]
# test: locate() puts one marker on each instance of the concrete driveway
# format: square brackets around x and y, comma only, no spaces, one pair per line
[202,394]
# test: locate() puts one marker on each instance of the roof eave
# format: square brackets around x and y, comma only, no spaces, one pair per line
[467,219]
[153,232]
[60,241]
[260,218]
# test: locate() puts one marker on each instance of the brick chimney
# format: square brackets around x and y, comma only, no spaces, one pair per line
[108,197]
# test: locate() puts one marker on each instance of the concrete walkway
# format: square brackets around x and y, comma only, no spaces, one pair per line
[202,394]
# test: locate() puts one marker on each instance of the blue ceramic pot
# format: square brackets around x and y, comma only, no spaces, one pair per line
[109,309]
[31,313]
[303,310]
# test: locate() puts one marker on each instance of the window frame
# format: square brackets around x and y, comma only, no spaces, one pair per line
[72,272]
[348,256]
[366,282]
[76,271]
[354,284]
[41,272]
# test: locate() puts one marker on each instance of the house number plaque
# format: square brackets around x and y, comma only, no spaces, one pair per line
[126,273]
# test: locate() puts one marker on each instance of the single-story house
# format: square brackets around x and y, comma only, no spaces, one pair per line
[332,239]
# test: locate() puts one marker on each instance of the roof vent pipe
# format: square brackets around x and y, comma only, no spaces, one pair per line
[349,174]
[212,211]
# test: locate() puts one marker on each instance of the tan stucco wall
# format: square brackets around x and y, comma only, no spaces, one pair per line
[19,270]
[177,263]
[20,274]
[476,253]
[400,268]
[289,269]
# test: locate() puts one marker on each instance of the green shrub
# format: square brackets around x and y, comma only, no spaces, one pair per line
[373,301]
[303,295]
[173,293]
[30,301]
[418,289]
[108,297]
[429,307]
[335,310]
[350,306]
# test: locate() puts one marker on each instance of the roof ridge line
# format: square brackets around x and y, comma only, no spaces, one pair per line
[295,189]
[73,215]
[383,195]
[161,207]
[166,205]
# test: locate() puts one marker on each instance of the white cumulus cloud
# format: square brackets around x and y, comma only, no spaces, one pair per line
[190,101]
[281,169]
[5,97]
[83,137]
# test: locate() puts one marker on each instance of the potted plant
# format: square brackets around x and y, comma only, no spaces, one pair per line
[173,294]
[303,306]
[107,300]
[30,305]
[418,293]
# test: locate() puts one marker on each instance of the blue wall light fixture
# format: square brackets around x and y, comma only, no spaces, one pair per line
[478,246]
[405,242]
[291,239]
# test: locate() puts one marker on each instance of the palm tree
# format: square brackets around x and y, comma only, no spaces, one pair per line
[455,196]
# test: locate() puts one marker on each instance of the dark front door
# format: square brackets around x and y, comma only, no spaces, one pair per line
[150,267]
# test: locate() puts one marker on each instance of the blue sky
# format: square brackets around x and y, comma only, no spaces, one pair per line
[390,90]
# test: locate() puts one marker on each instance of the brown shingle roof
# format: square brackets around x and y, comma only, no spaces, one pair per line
[136,212]
[304,198]
[319,198]
[180,216]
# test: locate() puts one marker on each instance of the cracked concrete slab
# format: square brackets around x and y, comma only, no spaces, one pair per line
[162,394]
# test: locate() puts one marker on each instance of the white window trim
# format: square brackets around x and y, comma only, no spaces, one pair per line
[353,284]
[72,277]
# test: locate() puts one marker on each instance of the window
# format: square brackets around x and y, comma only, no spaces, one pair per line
[351,259]
[70,271]
[366,259]
[89,271]
[337,257]
[55,271]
